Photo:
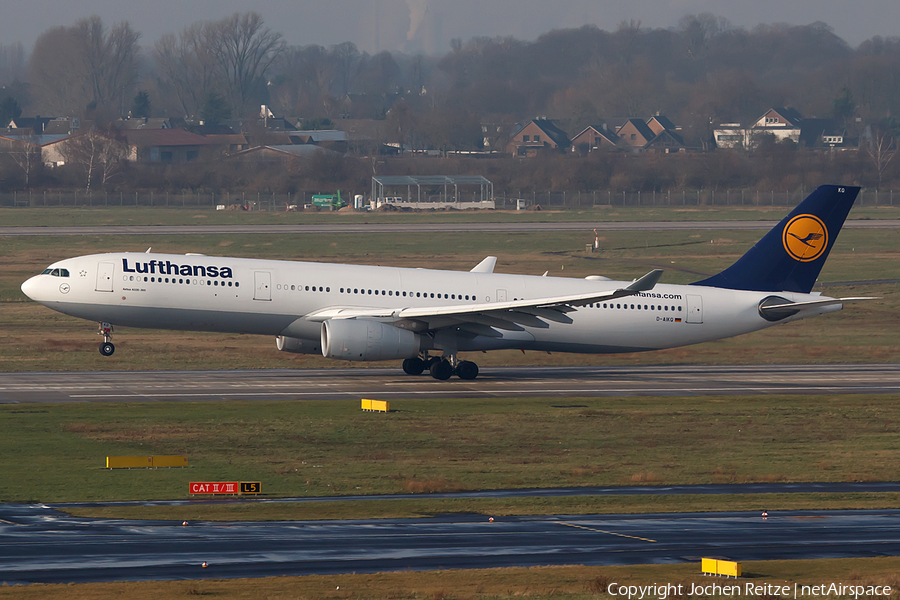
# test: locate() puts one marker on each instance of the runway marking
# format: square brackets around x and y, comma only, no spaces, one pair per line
[633,537]
[533,391]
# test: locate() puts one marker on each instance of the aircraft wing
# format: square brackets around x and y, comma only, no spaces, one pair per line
[484,317]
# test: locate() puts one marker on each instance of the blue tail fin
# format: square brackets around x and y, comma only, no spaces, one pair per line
[790,257]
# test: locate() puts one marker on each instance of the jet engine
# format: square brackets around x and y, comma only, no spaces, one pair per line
[297,345]
[358,339]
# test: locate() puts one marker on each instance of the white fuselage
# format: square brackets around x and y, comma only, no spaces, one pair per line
[271,297]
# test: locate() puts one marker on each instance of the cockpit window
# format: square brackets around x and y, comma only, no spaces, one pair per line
[56,272]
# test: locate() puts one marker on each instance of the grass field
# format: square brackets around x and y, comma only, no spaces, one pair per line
[56,452]
[570,582]
[54,216]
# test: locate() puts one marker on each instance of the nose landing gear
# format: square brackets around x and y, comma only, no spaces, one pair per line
[106,348]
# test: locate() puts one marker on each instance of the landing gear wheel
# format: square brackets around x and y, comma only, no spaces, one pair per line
[441,370]
[431,361]
[106,330]
[467,370]
[413,366]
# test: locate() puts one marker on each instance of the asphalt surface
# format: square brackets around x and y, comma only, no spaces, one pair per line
[40,545]
[418,227]
[393,384]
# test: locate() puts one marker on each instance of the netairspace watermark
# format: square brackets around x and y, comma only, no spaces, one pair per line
[749,590]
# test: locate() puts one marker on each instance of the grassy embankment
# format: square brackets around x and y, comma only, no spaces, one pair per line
[56,452]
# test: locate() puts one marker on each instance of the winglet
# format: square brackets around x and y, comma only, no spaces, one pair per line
[485,266]
[646,282]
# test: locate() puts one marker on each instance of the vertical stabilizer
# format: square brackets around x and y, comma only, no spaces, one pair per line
[790,257]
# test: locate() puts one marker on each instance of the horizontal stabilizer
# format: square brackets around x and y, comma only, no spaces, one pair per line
[775,309]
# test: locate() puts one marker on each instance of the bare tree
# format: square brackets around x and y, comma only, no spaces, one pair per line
[26,153]
[113,154]
[109,61]
[97,152]
[301,80]
[400,121]
[244,50]
[881,149]
[12,63]
[56,80]
[86,65]
[187,64]
[346,56]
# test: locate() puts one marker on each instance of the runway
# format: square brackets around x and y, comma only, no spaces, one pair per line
[41,545]
[492,382]
[506,227]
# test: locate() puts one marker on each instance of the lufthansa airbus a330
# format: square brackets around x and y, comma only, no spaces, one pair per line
[426,317]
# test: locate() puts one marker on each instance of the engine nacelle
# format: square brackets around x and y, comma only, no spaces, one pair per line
[297,345]
[358,339]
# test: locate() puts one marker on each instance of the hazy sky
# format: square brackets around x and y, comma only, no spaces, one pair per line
[428,25]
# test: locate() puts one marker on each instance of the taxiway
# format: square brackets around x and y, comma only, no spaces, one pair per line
[392,384]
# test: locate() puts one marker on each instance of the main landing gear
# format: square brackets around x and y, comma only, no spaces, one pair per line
[441,368]
[106,348]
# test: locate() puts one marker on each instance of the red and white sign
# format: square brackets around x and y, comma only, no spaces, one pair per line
[219,487]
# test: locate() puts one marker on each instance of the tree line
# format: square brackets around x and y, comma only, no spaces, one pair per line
[700,73]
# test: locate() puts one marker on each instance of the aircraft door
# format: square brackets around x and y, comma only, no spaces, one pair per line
[104,277]
[262,281]
[501,295]
[694,308]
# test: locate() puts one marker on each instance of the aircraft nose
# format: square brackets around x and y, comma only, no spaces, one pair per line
[30,288]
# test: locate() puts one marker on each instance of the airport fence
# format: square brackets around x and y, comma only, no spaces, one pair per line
[503,201]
